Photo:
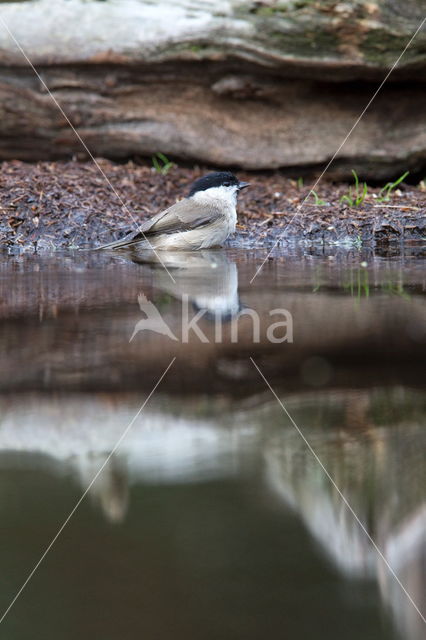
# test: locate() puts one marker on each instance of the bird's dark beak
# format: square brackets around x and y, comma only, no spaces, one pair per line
[243,185]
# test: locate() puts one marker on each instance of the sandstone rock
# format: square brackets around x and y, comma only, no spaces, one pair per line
[253,84]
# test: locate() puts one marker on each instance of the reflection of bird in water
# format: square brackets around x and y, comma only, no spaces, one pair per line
[209,279]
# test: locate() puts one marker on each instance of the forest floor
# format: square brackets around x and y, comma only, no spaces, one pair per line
[59,205]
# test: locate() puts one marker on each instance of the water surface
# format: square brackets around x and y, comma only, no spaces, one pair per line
[213,518]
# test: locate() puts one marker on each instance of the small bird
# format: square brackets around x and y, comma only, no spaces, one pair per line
[204,219]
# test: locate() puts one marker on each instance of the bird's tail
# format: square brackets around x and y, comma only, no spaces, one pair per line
[127,241]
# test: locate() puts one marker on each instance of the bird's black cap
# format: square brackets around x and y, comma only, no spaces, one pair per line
[215,179]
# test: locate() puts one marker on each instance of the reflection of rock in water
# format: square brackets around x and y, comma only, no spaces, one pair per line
[369,442]
[382,477]
[406,553]
[110,490]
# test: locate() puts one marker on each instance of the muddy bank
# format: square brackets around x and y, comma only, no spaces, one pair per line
[57,205]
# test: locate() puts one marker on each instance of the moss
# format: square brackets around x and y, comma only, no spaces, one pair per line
[196,49]
[302,43]
[289,30]
[272,10]
[383,48]
[265,11]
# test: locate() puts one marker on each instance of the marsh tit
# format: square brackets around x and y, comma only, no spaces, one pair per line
[204,219]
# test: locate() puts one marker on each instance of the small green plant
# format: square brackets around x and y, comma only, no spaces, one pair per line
[358,241]
[357,284]
[161,163]
[396,289]
[300,183]
[357,194]
[386,192]
[317,199]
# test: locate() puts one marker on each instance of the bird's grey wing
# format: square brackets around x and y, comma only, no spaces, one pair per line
[181,216]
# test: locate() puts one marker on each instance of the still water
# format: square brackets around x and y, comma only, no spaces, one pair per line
[215,517]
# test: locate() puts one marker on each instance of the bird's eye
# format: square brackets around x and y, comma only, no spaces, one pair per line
[226,184]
